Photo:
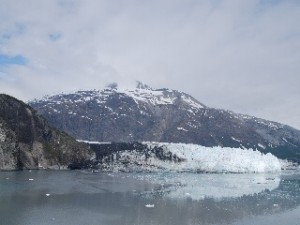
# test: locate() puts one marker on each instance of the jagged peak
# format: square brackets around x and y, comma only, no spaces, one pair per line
[113,85]
[140,85]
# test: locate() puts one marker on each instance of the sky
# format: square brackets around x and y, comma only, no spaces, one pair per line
[238,55]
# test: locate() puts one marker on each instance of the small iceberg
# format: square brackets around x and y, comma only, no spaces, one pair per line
[149,206]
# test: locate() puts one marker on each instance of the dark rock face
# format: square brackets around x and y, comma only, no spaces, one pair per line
[162,115]
[110,156]
[104,152]
[28,142]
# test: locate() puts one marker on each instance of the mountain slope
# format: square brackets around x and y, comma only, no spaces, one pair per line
[27,141]
[162,115]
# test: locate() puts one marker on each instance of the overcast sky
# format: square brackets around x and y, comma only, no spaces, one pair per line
[241,55]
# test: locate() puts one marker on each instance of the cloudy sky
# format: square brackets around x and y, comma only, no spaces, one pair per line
[232,54]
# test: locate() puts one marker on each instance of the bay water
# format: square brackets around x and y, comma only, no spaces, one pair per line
[105,198]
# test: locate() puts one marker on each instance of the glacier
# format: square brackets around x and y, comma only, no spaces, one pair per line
[192,158]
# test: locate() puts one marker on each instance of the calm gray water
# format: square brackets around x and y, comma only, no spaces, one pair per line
[85,198]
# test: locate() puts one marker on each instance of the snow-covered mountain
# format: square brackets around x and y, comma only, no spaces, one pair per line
[162,115]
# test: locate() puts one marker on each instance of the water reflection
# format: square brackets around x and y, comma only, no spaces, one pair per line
[216,186]
[113,199]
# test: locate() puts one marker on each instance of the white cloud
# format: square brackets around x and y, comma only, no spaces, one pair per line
[238,55]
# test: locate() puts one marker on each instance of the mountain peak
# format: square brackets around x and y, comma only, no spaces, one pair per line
[113,85]
[140,85]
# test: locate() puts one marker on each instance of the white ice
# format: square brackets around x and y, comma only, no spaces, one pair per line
[208,159]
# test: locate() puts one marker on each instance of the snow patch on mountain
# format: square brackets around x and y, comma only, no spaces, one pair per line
[261,146]
[2,134]
[159,96]
[181,129]
[235,139]
[154,97]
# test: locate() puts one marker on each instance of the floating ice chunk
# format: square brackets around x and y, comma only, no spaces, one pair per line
[149,206]
[31,179]
[47,194]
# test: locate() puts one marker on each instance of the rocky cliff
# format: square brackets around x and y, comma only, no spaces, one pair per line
[28,142]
